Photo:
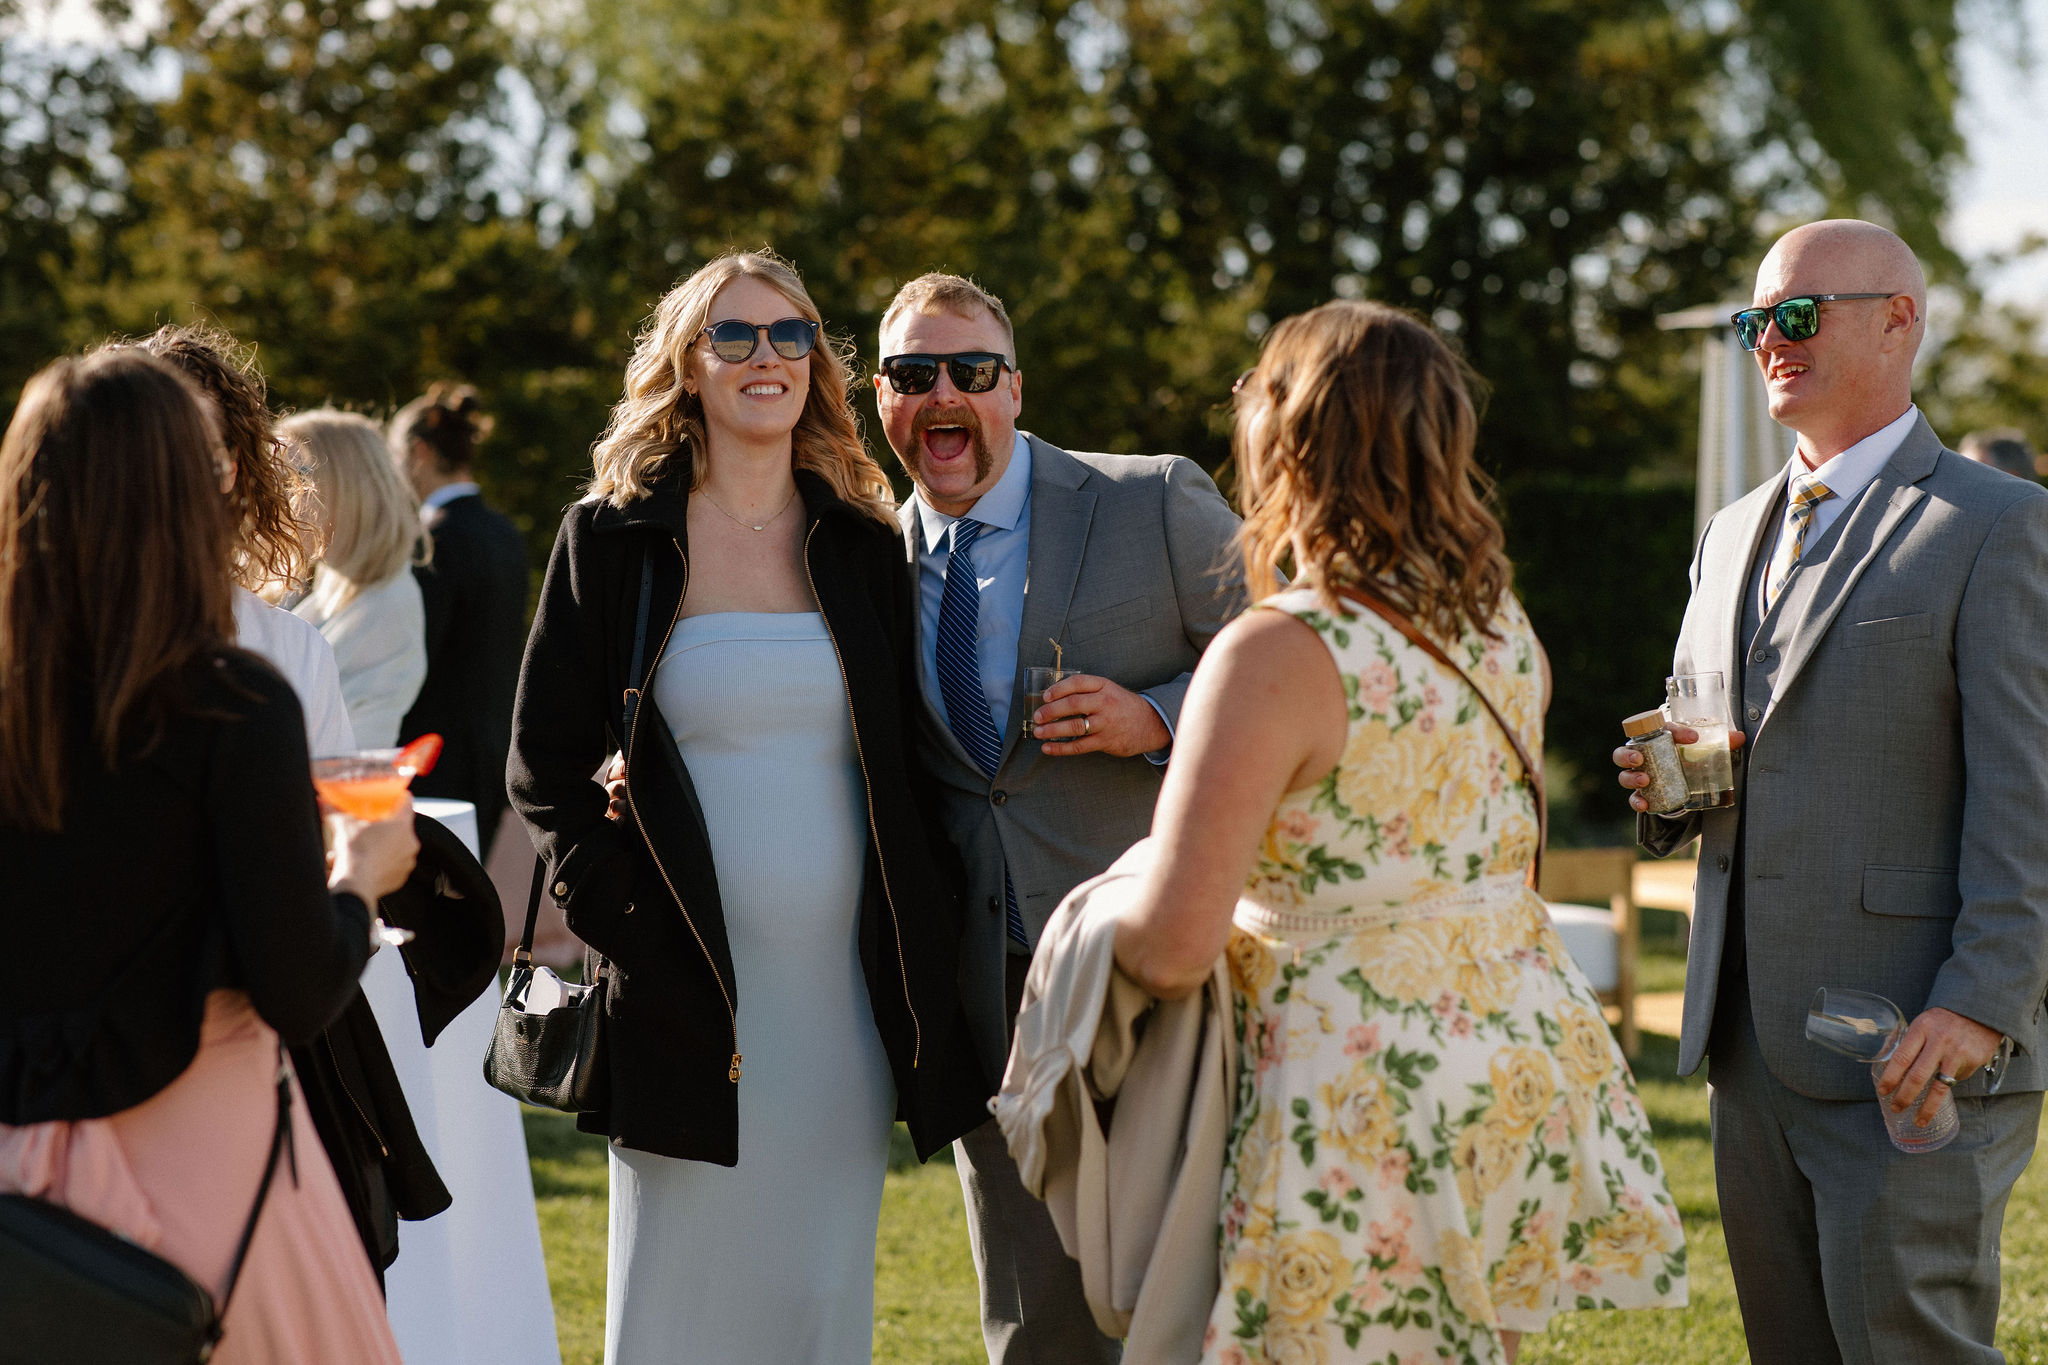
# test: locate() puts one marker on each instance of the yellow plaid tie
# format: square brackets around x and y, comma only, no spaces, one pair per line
[1808,493]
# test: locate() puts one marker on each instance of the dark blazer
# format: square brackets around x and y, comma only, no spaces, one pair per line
[197,865]
[644,892]
[474,592]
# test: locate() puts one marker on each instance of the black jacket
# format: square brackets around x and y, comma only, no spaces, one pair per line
[474,593]
[644,891]
[193,866]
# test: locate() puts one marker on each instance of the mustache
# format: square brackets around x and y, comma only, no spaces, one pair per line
[958,415]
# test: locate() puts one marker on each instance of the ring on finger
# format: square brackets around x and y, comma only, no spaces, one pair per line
[1087,727]
[1943,1078]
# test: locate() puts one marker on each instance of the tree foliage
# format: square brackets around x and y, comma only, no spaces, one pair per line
[378,194]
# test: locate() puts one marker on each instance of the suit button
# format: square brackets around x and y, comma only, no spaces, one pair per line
[994,905]
[561,889]
[998,797]
[1762,656]
[1721,863]
[1754,712]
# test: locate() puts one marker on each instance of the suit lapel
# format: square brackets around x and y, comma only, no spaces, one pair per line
[913,551]
[1061,511]
[1891,495]
[1750,534]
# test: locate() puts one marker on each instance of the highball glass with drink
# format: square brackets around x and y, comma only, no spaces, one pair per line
[1699,701]
[1037,682]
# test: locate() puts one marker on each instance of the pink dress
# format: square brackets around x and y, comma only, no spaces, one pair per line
[177,1173]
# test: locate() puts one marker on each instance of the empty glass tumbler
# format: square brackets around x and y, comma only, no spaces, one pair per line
[1868,1027]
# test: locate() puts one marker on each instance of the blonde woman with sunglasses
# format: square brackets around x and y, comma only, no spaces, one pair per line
[779,924]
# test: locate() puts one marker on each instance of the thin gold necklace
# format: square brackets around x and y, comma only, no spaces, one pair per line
[748,524]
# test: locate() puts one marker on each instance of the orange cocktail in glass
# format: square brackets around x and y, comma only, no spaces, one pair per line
[367,784]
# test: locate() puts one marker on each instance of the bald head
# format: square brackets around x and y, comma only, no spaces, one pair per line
[1855,374]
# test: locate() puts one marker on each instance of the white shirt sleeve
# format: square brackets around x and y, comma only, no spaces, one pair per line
[379,643]
[294,648]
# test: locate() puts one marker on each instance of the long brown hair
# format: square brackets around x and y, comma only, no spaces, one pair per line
[659,416]
[114,553]
[275,543]
[1363,472]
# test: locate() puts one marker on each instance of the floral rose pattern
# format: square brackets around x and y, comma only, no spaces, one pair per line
[1435,1137]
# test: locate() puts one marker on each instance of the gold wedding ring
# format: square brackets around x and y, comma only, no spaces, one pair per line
[1086,727]
[1945,1079]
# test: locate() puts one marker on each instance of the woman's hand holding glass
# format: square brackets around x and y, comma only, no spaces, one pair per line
[371,859]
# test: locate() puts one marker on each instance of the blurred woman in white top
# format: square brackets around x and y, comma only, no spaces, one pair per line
[364,598]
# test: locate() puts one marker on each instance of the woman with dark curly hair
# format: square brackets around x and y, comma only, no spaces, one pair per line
[274,543]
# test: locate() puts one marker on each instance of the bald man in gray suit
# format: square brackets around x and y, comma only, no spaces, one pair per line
[1878,613]
[1015,544]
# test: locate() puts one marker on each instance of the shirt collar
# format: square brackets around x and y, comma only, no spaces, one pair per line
[445,494]
[1850,472]
[1001,508]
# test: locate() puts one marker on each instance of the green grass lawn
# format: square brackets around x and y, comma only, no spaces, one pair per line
[925,1311]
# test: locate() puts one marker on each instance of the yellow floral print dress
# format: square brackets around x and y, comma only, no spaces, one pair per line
[1435,1138]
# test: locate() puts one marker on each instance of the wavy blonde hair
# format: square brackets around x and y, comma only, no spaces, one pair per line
[372,514]
[658,416]
[1364,472]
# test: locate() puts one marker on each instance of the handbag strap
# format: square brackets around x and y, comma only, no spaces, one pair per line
[1534,770]
[280,1142]
[629,712]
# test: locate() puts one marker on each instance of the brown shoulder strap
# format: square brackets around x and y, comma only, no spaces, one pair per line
[1534,770]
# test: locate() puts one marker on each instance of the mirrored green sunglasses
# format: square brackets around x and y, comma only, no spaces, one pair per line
[1797,318]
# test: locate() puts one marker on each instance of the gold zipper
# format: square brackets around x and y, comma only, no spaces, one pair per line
[342,1082]
[916,1030]
[626,779]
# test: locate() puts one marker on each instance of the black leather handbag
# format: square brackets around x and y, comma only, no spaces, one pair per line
[548,1051]
[548,1046]
[73,1291]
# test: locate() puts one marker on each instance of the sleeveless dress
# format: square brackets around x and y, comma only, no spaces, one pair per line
[1435,1137]
[772,1259]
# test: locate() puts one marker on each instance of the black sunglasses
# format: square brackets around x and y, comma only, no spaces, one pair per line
[1797,318]
[735,342]
[972,371]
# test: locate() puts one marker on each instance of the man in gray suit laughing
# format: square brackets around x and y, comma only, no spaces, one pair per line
[1016,543]
[1878,614]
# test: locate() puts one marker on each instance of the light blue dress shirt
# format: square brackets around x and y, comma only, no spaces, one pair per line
[1002,567]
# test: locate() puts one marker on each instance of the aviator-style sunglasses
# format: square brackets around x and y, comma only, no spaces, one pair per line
[735,342]
[972,371]
[1797,318]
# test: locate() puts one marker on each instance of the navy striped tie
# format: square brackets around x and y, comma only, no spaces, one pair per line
[959,666]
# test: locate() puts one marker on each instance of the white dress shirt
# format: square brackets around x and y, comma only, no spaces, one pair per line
[1846,476]
[294,648]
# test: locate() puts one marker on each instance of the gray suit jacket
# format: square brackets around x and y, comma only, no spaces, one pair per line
[1896,780]
[1130,569]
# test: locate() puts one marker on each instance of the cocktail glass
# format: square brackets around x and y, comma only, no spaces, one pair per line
[367,785]
[1868,1027]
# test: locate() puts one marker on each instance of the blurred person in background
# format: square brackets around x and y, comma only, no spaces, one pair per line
[2003,448]
[364,600]
[158,823]
[473,588]
[274,544]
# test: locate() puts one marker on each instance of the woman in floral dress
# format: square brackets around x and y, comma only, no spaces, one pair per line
[1435,1143]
